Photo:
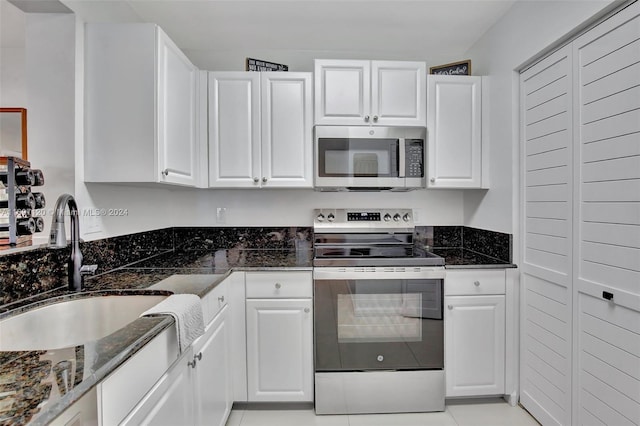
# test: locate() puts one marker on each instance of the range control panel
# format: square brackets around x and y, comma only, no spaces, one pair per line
[363,216]
[367,218]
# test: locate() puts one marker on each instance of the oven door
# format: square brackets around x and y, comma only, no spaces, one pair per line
[375,319]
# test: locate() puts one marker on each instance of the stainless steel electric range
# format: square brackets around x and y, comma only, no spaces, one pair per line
[378,326]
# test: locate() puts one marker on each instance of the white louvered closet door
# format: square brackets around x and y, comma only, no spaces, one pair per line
[607,228]
[546,305]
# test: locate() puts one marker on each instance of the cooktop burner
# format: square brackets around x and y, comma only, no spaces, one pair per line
[371,237]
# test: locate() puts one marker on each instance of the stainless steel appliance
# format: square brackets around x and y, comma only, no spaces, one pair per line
[369,158]
[378,325]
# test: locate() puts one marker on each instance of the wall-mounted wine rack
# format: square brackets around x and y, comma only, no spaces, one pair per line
[18,203]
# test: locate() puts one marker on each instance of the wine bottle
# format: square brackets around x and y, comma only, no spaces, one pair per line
[23,201]
[39,224]
[38,177]
[23,227]
[40,201]
[22,177]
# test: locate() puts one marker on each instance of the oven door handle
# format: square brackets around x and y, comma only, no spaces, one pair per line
[378,273]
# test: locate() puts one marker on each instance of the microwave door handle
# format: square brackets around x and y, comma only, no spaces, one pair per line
[402,155]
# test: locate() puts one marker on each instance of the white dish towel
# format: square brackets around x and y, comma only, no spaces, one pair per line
[186,309]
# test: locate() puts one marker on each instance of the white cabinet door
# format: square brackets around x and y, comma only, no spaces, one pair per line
[177,112]
[260,130]
[454,127]
[386,93]
[474,345]
[141,107]
[398,93]
[279,350]
[342,92]
[170,401]
[287,155]
[234,129]
[212,375]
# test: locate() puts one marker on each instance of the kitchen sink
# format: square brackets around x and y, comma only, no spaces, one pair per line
[72,322]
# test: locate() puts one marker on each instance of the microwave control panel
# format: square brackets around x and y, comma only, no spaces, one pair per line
[414,165]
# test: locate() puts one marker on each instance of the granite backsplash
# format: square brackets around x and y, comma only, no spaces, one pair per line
[40,270]
[496,245]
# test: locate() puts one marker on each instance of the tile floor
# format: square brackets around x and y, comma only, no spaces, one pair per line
[477,413]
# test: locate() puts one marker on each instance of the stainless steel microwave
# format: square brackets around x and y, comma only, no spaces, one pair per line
[369,158]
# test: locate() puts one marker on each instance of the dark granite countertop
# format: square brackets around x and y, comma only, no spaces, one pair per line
[460,258]
[29,377]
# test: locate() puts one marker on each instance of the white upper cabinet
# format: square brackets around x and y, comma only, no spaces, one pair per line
[144,108]
[454,126]
[386,93]
[260,130]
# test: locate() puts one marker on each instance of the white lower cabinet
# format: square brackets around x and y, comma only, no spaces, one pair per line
[279,315]
[158,387]
[170,401]
[212,373]
[474,333]
[197,388]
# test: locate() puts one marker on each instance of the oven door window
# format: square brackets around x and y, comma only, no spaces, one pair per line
[351,157]
[378,324]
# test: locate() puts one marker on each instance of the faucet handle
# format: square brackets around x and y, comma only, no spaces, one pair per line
[88,269]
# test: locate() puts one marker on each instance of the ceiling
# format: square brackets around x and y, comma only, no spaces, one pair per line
[378,29]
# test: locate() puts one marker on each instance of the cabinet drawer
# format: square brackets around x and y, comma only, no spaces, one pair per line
[215,300]
[278,284]
[472,282]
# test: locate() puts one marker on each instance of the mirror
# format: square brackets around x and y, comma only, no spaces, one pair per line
[13,132]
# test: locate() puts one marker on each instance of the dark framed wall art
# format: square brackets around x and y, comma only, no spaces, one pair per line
[454,68]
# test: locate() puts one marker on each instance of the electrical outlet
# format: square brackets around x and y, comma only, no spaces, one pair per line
[92,224]
[221,215]
[418,216]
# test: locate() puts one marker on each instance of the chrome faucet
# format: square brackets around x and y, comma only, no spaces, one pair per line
[58,239]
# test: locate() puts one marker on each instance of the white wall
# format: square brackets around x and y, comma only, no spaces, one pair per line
[50,82]
[37,65]
[13,92]
[298,60]
[150,207]
[526,29]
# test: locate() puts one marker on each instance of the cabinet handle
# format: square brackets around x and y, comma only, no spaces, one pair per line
[366,118]
[264,179]
[306,310]
[432,180]
[221,299]
[450,307]
[192,364]
[256,180]
[199,357]
[476,283]
[607,295]
[165,172]
[278,285]
[375,118]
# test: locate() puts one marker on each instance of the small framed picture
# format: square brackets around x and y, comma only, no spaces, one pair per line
[454,68]
[260,65]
